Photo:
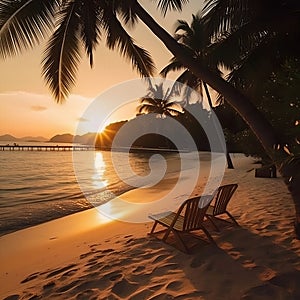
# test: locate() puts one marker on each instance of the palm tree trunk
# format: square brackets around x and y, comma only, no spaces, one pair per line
[208,95]
[228,158]
[244,107]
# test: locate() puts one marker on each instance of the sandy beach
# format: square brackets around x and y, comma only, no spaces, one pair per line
[89,256]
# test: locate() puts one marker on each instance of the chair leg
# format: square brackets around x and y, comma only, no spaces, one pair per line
[177,237]
[210,218]
[180,242]
[208,235]
[167,234]
[153,227]
[232,218]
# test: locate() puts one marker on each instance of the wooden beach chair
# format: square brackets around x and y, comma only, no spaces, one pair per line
[219,204]
[189,217]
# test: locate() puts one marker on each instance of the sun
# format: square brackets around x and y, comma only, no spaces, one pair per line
[102,127]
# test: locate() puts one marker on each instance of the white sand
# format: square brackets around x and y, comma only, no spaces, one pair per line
[88,256]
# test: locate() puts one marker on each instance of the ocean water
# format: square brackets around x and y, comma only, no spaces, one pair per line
[37,186]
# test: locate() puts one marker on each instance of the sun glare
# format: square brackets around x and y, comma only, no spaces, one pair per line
[102,128]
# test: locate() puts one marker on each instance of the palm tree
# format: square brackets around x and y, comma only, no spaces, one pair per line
[259,35]
[23,23]
[253,35]
[159,102]
[197,42]
[76,25]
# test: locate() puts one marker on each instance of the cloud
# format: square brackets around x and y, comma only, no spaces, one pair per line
[38,108]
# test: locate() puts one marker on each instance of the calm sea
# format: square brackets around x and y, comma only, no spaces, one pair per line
[37,186]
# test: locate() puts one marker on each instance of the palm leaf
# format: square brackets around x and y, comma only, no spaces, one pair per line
[117,37]
[62,54]
[145,108]
[223,15]
[24,23]
[125,9]
[165,5]
[90,27]
[174,65]
[189,82]
[184,26]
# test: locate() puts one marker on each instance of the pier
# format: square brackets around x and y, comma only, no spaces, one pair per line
[46,148]
[17,147]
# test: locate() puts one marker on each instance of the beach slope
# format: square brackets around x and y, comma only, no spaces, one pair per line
[89,256]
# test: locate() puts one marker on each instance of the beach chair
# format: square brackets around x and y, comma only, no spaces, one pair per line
[189,217]
[219,204]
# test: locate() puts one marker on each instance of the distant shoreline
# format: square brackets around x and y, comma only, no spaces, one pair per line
[79,147]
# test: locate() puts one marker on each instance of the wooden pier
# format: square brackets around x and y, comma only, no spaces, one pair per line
[17,147]
[46,148]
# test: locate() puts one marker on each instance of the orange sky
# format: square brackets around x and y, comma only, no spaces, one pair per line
[25,102]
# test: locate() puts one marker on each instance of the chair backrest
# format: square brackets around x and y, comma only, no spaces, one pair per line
[222,197]
[194,211]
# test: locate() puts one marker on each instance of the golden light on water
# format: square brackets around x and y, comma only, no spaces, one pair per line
[99,168]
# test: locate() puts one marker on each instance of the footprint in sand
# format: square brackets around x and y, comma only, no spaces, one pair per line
[84,255]
[58,271]
[124,288]
[139,269]
[69,273]
[68,286]
[174,285]
[160,258]
[30,277]
[112,276]
[88,294]
[107,250]
[165,269]
[115,277]
[49,285]
[12,297]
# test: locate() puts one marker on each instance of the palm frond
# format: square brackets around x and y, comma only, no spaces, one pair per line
[24,23]
[125,9]
[165,5]
[223,15]
[173,66]
[188,82]
[184,26]
[117,37]
[62,54]
[146,109]
[90,27]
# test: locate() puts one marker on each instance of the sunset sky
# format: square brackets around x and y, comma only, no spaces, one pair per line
[25,102]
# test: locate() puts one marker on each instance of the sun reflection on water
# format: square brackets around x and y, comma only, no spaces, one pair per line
[99,167]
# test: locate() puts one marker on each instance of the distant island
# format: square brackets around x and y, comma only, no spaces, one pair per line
[86,139]
[9,137]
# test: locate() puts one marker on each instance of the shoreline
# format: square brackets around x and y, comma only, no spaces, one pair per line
[113,190]
[85,256]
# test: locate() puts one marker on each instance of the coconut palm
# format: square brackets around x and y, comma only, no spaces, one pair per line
[159,102]
[75,26]
[261,37]
[197,41]
[253,35]
[24,23]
